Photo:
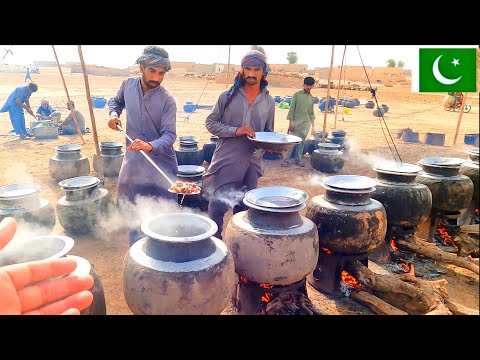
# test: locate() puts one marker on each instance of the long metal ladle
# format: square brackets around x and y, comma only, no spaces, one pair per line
[146,156]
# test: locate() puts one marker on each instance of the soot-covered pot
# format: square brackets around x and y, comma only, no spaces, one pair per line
[190,173]
[179,268]
[22,201]
[112,157]
[271,242]
[209,148]
[68,162]
[84,205]
[470,168]
[451,191]
[327,158]
[347,219]
[188,152]
[53,247]
[406,202]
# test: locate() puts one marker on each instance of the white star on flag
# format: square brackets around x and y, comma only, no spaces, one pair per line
[455,62]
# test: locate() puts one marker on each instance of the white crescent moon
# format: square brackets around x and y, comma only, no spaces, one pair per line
[438,75]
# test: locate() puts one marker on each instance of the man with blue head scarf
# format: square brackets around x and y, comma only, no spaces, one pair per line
[245,108]
[18,101]
[151,113]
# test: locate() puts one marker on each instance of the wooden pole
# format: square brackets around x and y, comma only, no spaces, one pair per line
[460,118]
[79,133]
[228,66]
[328,98]
[90,107]
[338,92]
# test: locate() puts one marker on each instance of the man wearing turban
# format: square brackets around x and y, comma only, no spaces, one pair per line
[242,110]
[151,121]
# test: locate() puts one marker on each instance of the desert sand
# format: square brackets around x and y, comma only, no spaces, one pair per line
[28,160]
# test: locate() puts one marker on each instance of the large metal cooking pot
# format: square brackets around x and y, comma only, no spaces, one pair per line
[111,155]
[68,162]
[22,201]
[327,158]
[179,268]
[271,242]
[188,153]
[470,168]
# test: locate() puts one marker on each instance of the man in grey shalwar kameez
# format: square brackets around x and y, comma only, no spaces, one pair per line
[151,122]
[242,110]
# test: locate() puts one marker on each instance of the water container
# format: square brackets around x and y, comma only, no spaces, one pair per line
[189,107]
[471,139]
[98,102]
[369,104]
[278,99]
[288,99]
[316,100]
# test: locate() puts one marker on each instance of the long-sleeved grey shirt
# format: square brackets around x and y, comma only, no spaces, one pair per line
[151,117]
[233,156]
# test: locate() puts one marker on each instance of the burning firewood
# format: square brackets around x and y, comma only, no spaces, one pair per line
[458,309]
[404,292]
[467,244]
[290,303]
[424,248]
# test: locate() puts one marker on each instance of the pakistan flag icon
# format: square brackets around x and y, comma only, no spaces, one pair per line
[445,70]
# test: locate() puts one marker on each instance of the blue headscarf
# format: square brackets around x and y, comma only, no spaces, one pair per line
[253,58]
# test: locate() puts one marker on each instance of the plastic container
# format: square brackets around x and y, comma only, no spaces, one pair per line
[98,102]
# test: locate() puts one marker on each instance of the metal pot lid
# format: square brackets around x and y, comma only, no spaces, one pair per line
[68,148]
[473,152]
[111,144]
[278,210]
[267,137]
[349,182]
[351,192]
[442,162]
[18,190]
[276,197]
[79,182]
[328,146]
[190,170]
[339,132]
[397,168]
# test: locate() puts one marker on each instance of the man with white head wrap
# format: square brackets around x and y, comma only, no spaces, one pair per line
[151,121]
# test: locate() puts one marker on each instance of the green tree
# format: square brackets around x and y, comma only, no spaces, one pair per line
[292,57]
[400,64]
[391,63]
[262,50]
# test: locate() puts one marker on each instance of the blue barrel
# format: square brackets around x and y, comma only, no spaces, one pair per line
[471,139]
[278,99]
[98,102]
[189,107]
[316,100]
[288,99]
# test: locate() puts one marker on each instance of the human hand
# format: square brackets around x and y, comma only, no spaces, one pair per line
[138,145]
[291,126]
[113,122]
[67,295]
[245,130]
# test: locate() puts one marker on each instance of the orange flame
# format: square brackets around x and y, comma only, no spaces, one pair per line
[244,279]
[476,212]
[442,231]
[328,251]
[266,286]
[267,297]
[392,244]
[401,261]
[350,280]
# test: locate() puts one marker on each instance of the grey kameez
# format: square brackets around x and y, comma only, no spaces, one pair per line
[151,117]
[233,156]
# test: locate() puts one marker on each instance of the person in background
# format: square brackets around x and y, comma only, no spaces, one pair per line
[301,117]
[245,108]
[16,102]
[19,295]
[27,75]
[151,113]
[46,112]
[68,126]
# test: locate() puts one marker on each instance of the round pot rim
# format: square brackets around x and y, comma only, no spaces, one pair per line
[68,148]
[430,161]
[68,244]
[145,227]
[35,189]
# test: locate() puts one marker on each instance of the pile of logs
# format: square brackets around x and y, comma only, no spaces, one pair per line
[289,303]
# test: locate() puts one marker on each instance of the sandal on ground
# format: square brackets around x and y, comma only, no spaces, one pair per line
[284,163]
[299,163]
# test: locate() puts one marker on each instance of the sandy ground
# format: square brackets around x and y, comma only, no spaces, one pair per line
[29,160]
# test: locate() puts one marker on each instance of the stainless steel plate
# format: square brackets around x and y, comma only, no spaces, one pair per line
[18,190]
[276,197]
[397,168]
[349,182]
[279,210]
[442,162]
[190,170]
[79,182]
[267,137]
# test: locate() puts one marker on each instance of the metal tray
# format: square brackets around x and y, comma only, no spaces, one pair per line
[279,210]
[274,140]
[349,182]
[79,182]
[276,197]
[442,162]
[190,170]
[397,168]
[18,190]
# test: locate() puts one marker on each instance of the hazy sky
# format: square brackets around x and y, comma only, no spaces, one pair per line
[122,56]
